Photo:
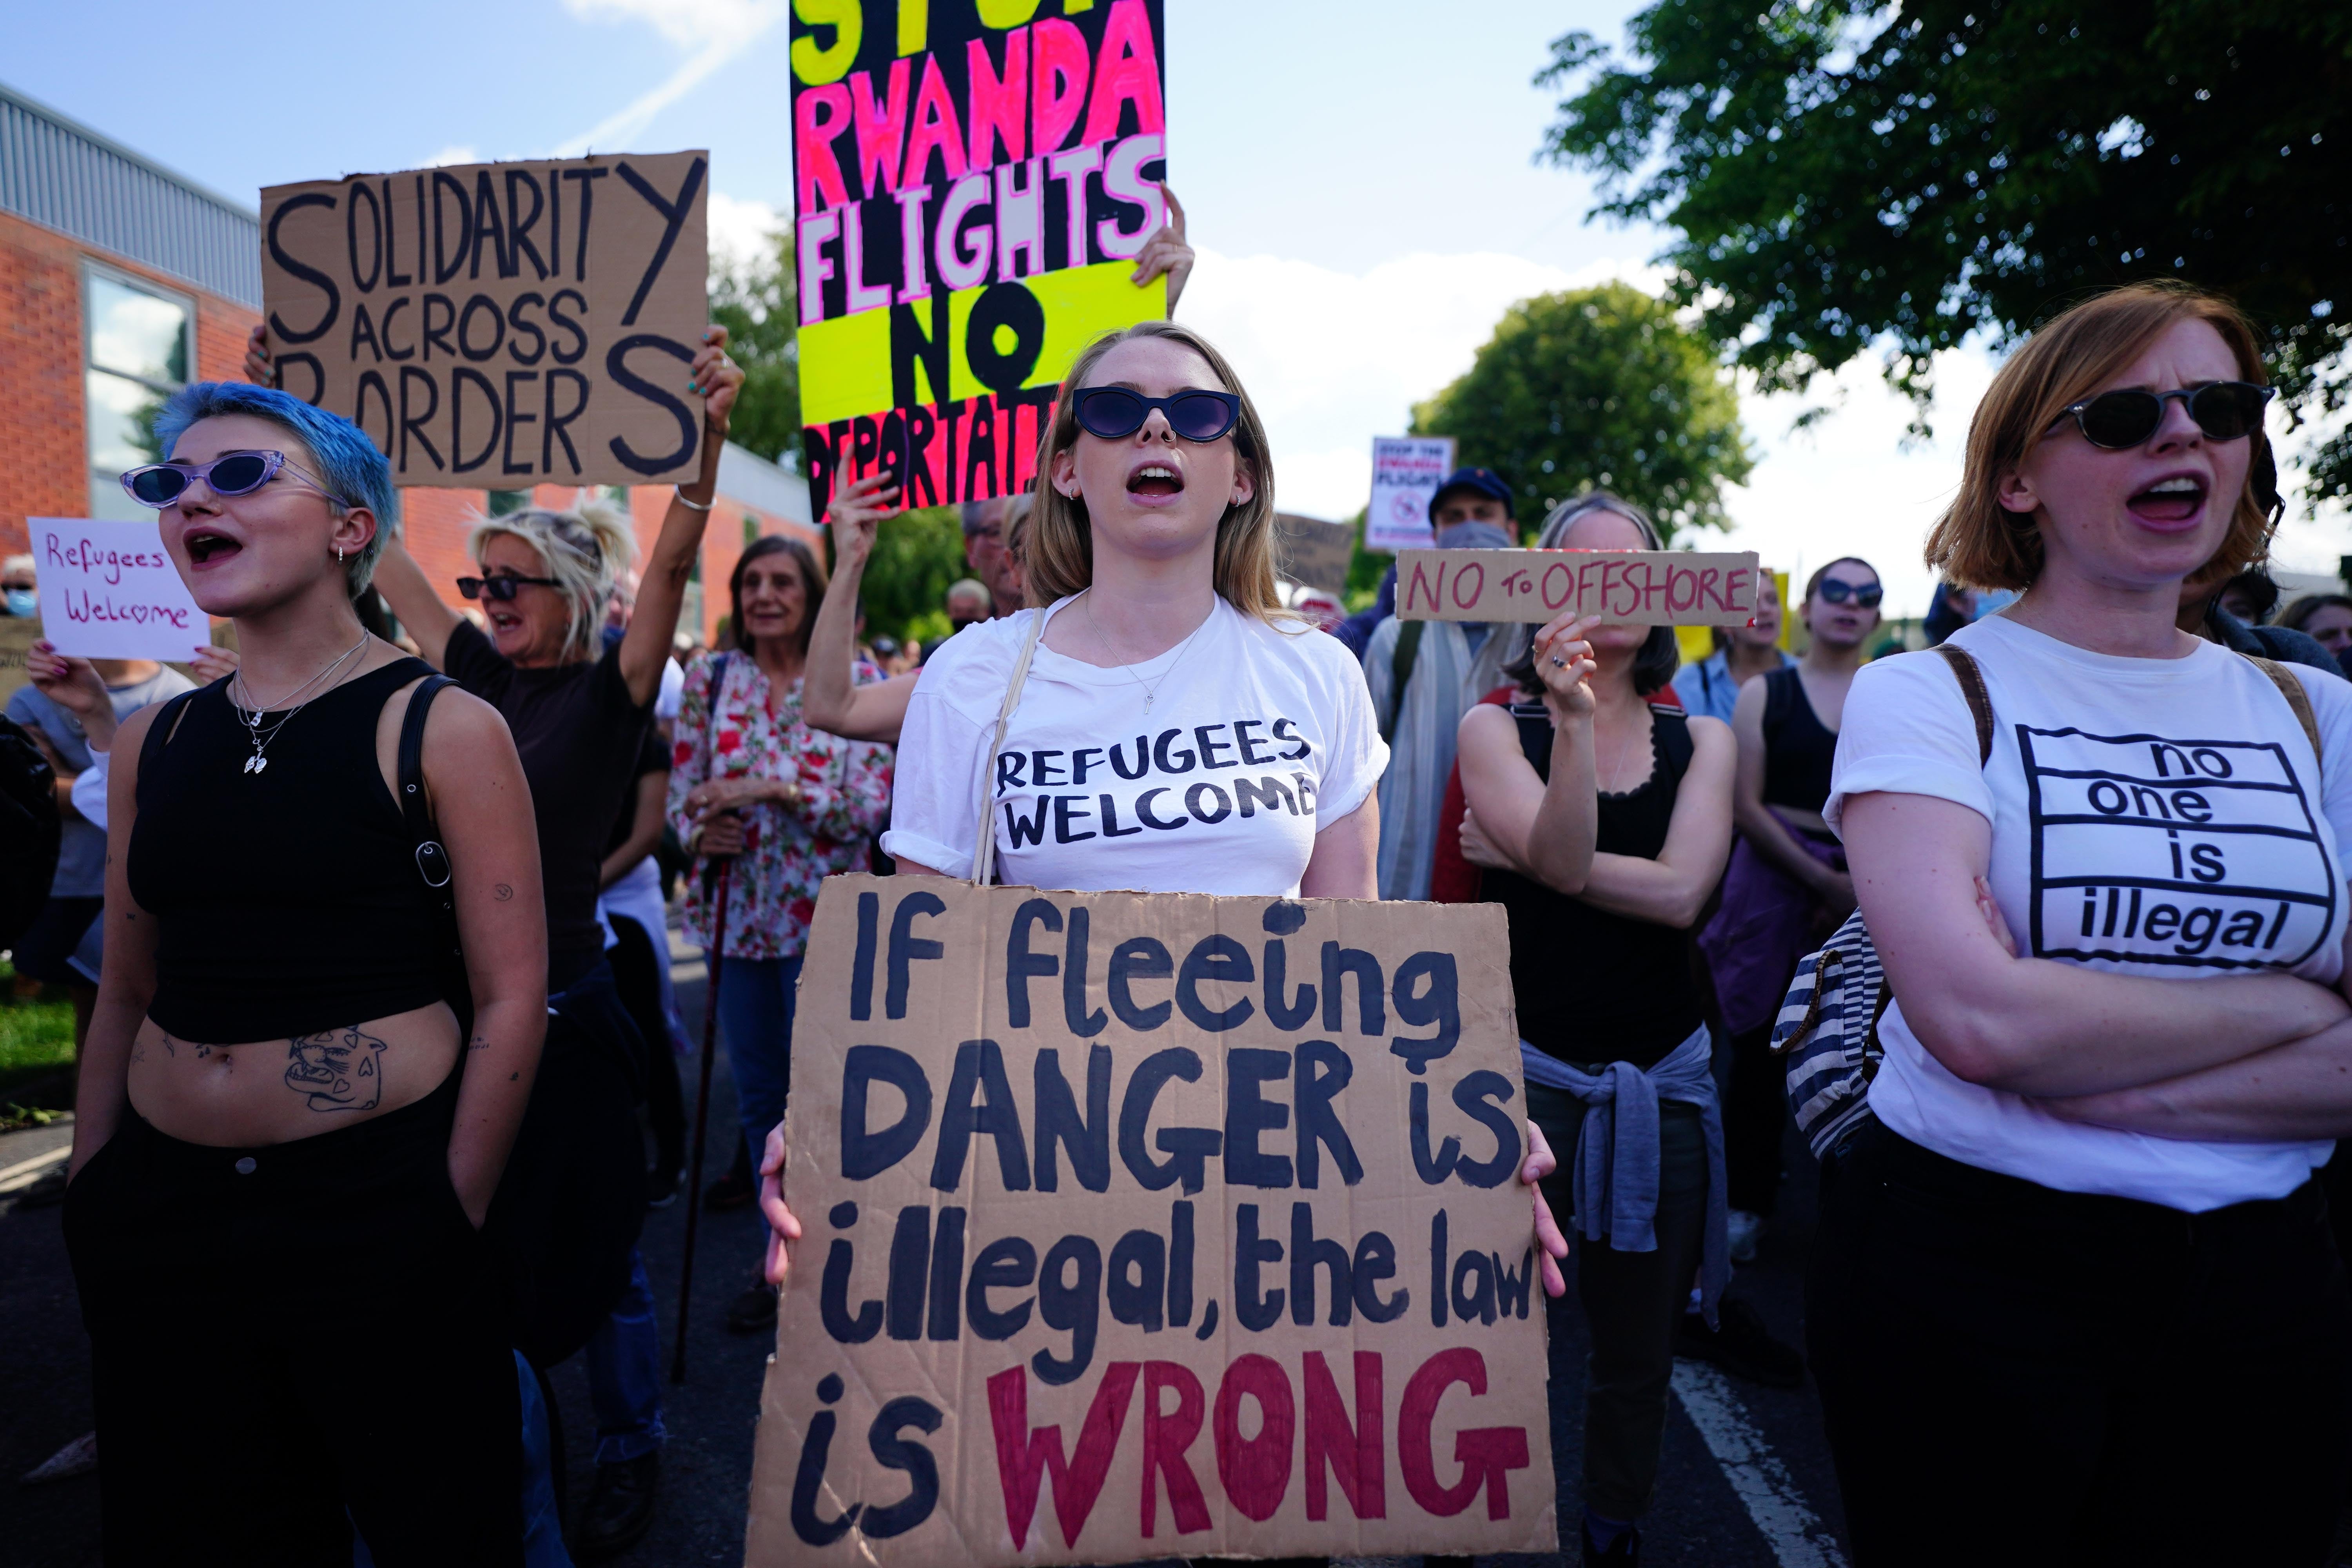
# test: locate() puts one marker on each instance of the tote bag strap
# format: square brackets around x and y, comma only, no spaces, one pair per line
[983,854]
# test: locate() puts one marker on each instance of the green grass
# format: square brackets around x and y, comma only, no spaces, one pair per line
[36,1043]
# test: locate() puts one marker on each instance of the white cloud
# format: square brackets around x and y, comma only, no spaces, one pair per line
[1332,359]
[717,30]
[455,152]
[741,232]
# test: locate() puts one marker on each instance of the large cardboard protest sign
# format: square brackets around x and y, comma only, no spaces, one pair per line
[499,325]
[1637,587]
[109,589]
[1406,472]
[1152,1224]
[974,179]
[1312,552]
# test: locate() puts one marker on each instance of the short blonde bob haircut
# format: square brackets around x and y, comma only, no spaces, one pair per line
[1060,558]
[1979,543]
[585,550]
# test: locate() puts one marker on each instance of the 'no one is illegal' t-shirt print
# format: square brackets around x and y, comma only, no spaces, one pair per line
[2158,850]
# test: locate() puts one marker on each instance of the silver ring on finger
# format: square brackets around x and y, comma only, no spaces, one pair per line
[1557,662]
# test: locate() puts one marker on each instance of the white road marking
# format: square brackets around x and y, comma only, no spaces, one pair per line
[1797,1536]
[25,1173]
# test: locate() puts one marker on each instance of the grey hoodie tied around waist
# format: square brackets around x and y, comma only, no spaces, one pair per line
[1615,1169]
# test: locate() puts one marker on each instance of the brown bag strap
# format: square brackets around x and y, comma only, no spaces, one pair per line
[2296,697]
[1972,687]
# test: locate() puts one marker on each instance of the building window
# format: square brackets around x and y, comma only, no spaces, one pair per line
[138,346]
[503,502]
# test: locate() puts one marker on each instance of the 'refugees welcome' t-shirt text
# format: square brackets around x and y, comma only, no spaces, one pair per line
[1256,737]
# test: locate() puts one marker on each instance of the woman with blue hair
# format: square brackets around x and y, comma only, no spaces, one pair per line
[579,711]
[292,1118]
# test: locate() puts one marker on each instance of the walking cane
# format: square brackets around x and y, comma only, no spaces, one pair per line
[714,956]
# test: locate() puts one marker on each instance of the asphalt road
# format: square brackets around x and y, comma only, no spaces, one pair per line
[1744,1468]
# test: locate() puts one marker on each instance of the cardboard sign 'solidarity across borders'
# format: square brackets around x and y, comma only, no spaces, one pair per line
[972,194]
[1145,1225]
[497,325]
[1637,588]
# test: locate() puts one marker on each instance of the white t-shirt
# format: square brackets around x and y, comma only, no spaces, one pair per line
[2160,817]
[1257,737]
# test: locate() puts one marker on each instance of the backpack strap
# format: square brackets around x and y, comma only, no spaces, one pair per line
[160,730]
[432,859]
[1401,662]
[2296,697]
[1972,687]
[984,848]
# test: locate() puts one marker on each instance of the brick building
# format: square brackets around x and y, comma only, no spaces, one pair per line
[120,281]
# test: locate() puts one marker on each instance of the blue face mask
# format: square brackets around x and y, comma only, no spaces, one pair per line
[20,600]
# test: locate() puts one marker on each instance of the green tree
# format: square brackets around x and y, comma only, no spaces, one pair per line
[1598,387]
[758,310]
[916,555]
[1846,175]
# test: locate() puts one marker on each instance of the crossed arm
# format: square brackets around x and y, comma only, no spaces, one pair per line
[2255,1058]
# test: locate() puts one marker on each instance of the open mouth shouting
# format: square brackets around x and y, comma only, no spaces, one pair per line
[503,621]
[1155,480]
[2170,502]
[209,547]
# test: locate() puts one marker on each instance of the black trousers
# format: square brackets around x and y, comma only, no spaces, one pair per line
[2019,1375]
[289,1340]
[1633,1302]
[1755,1121]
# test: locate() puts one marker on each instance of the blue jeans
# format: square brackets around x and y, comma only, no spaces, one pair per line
[624,1374]
[755,1016]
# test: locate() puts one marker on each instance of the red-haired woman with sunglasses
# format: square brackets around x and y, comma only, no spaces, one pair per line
[2074,1299]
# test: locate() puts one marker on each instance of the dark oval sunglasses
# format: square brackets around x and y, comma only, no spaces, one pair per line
[1838,593]
[1114,413]
[2224,410]
[500,587]
[240,473]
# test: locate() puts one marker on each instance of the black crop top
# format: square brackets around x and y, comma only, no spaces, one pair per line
[287,901]
[1591,987]
[1798,750]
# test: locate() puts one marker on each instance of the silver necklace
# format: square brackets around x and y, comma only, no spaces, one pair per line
[251,718]
[1150,690]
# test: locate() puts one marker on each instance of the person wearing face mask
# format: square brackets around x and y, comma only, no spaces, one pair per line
[292,1117]
[788,806]
[579,711]
[1787,887]
[2074,1296]
[1422,676]
[1154,612]
[17,593]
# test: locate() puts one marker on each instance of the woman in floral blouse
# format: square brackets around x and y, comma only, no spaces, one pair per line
[791,806]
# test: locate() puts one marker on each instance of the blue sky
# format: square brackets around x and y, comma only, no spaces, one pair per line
[1359,176]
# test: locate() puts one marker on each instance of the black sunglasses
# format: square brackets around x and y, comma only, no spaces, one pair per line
[1838,593]
[1114,413]
[500,587]
[2224,410]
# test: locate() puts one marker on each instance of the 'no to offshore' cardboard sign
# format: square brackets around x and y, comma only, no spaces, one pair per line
[1152,1224]
[1637,588]
[495,325]
[974,179]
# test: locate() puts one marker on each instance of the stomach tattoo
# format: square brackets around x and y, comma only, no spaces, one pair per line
[337,1070]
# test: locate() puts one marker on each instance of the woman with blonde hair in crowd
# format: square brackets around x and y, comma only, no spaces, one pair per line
[2074,1298]
[579,711]
[787,806]
[1150,566]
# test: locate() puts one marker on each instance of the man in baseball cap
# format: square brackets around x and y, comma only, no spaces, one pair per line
[1423,675]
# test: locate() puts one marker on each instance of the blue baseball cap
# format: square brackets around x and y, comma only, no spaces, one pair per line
[1479,481]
